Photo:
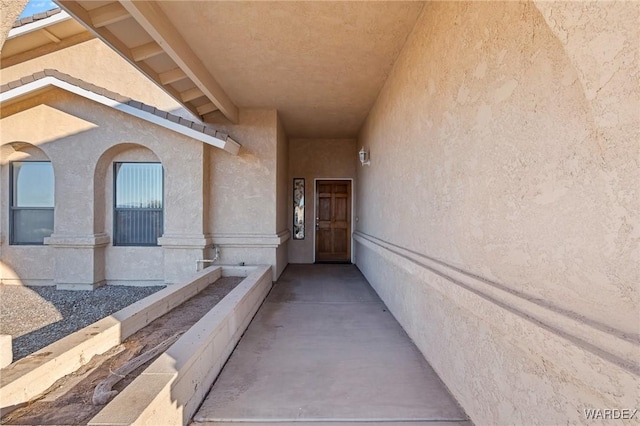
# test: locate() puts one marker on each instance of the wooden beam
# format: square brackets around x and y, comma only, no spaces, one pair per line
[149,15]
[49,35]
[172,76]
[191,94]
[81,15]
[108,14]
[146,51]
[206,108]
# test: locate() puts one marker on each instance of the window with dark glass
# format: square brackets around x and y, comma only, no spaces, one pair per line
[139,202]
[31,202]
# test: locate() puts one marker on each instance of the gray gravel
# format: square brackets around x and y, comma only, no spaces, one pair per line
[38,316]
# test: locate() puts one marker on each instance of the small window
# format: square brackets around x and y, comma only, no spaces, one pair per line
[139,202]
[31,204]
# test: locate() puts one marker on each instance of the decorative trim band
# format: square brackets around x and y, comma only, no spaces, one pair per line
[616,346]
[193,241]
[252,240]
[78,241]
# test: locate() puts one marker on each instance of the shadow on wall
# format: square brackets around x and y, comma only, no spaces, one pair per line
[8,273]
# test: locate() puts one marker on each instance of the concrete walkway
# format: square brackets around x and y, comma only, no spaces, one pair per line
[324,348]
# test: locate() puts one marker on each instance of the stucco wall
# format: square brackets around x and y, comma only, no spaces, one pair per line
[96,63]
[282,192]
[500,211]
[82,139]
[316,159]
[20,258]
[244,202]
[10,10]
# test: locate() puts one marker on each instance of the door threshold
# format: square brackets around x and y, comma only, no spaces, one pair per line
[341,262]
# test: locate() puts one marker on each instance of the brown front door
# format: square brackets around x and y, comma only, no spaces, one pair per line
[333,221]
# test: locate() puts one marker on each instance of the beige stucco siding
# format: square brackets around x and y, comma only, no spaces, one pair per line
[244,195]
[316,159]
[495,162]
[82,139]
[10,10]
[244,186]
[282,199]
[96,63]
[282,179]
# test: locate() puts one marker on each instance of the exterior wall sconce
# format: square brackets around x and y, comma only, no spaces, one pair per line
[364,157]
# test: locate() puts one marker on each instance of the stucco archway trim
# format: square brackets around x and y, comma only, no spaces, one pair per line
[17,90]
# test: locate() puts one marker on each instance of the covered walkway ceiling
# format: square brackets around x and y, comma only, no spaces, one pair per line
[321,64]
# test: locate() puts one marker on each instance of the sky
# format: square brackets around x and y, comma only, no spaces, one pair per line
[37,6]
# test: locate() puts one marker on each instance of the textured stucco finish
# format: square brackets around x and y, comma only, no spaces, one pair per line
[246,194]
[10,10]
[282,197]
[96,63]
[508,149]
[316,159]
[321,64]
[83,139]
[211,197]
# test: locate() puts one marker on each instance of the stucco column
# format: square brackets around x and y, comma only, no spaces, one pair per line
[79,259]
[9,12]
[184,240]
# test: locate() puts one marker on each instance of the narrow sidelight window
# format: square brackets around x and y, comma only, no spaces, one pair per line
[31,204]
[139,202]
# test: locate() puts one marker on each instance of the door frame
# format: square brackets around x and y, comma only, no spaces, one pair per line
[315,212]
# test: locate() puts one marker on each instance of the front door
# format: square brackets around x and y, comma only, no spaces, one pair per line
[333,221]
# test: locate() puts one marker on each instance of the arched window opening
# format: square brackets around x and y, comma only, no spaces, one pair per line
[138,203]
[31,202]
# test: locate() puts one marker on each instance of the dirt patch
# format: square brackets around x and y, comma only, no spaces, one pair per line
[68,401]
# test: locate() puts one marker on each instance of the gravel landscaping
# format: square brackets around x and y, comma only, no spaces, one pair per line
[38,316]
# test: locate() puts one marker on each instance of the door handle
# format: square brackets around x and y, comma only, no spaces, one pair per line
[317,223]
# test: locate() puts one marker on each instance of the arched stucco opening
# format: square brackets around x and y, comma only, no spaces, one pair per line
[17,265]
[103,179]
[123,264]
[21,151]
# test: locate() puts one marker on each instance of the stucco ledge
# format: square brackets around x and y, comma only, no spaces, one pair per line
[95,240]
[185,241]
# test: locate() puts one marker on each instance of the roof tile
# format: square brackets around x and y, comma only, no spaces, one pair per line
[76,82]
[101,91]
[118,98]
[36,17]
[115,96]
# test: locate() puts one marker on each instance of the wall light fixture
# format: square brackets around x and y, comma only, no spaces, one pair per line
[364,157]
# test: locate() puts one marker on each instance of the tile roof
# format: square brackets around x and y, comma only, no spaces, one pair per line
[116,97]
[36,17]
